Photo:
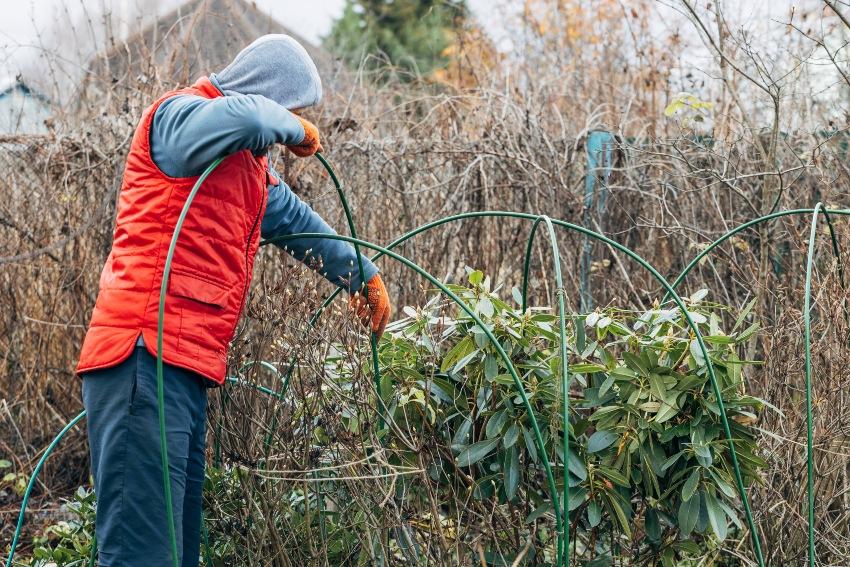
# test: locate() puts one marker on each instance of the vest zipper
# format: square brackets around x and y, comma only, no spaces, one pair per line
[248,250]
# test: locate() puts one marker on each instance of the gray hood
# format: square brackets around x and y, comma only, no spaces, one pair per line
[277,67]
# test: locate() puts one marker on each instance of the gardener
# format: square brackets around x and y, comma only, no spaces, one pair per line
[239,113]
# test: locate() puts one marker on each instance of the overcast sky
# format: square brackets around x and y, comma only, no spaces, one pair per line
[23,20]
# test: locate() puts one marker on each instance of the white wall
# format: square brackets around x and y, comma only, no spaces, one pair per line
[21,113]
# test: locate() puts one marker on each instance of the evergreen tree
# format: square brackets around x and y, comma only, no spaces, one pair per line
[412,34]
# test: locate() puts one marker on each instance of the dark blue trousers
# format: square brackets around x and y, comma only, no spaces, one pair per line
[123,428]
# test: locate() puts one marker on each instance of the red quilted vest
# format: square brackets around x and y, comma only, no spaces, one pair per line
[212,267]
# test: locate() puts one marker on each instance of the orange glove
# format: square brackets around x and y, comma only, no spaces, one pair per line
[310,144]
[373,310]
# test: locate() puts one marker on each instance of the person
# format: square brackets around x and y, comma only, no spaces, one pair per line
[237,114]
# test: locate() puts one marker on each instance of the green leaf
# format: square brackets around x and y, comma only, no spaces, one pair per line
[604,411]
[495,423]
[716,516]
[594,514]
[657,387]
[619,513]
[511,435]
[614,476]
[703,454]
[731,513]
[517,295]
[485,307]
[666,411]
[601,440]
[504,379]
[722,485]
[719,339]
[635,363]
[476,277]
[623,373]
[689,514]
[586,368]
[576,466]
[475,452]
[4,464]
[689,546]
[671,461]
[464,361]
[481,339]
[690,486]
[462,432]
[696,352]
[461,349]
[530,444]
[512,472]
[491,367]
[748,332]
[606,385]
[577,498]
[653,526]
[698,295]
[697,318]
[538,512]
[744,313]
[440,388]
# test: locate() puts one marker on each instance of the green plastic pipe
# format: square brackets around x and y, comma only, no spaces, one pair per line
[373,338]
[160,332]
[563,545]
[692,264]
[31,483]
[565,383]
[807,335]
[696,259]
[315,317]
[807,338]
[206,540]
[160,391]
[49,449]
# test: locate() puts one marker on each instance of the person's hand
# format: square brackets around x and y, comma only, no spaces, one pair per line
[310,144]
[374,308]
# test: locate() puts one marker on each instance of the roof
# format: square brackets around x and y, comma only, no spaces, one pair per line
[11,85]
[198,38]
[23,110]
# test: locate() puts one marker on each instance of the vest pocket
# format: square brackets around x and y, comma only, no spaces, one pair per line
[186,285]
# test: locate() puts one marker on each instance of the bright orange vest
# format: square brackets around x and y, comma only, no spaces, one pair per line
[212,267]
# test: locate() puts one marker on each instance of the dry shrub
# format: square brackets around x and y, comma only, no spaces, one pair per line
[270,454]
[781,500]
